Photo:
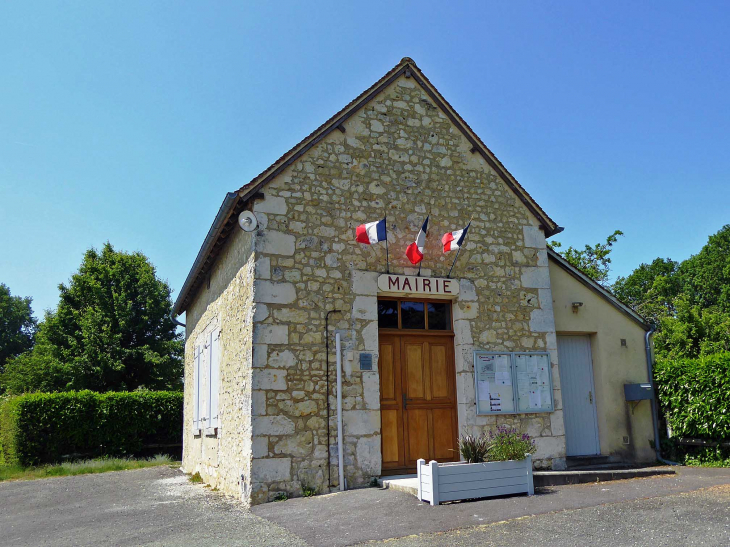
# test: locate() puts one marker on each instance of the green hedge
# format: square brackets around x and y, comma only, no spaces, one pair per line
[694,395]
[46,427]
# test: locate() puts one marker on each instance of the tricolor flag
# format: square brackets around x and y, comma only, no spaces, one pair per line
[372,232]
[414,252]
[454,240]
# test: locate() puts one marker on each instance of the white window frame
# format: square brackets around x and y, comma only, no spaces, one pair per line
[214,357]
[197,356]
[206,383]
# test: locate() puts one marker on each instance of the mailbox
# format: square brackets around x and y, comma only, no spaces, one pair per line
[638,392]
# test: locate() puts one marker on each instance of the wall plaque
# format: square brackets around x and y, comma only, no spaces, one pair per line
[415,285]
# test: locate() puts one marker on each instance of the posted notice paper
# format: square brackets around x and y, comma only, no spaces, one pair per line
[483,390]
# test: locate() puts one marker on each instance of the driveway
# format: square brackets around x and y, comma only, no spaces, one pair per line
[159,506]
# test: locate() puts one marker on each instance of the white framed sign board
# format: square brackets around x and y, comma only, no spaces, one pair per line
[513,382]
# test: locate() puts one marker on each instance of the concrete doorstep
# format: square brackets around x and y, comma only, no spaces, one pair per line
[409,483]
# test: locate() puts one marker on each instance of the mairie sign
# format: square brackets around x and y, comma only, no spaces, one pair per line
[424,286]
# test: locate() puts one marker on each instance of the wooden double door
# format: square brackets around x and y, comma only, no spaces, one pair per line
[417,399]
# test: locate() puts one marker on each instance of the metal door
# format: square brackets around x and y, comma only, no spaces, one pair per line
[579,401]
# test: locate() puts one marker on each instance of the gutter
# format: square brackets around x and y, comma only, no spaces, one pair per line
[654,411]
[173,318]
[224,213]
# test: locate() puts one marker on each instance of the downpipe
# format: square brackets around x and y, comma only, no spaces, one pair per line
[173,318]
[654,400]
[340,455]
[327,381]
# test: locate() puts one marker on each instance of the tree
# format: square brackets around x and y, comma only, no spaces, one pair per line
[110,332]
[692,331]
[689,302]
[706,275]
[651,288]
[17,325]
[592,261]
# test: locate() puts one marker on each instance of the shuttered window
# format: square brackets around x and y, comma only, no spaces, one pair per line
[196,389]
[214,378]
[206,385]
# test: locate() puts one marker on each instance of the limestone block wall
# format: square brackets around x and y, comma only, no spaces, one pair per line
[226,303]
[399,155]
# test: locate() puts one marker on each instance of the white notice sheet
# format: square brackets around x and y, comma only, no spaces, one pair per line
[483,390]
[503,378]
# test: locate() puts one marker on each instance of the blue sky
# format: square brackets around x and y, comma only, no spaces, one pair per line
[129,121]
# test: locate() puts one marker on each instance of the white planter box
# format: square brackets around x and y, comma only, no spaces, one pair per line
[438,482]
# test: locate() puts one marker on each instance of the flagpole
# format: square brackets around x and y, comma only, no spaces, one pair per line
[453,263]
[458,251]
[424,244]
[387,258]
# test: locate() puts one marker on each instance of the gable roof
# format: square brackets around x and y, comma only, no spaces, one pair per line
[235,202]
[598,289]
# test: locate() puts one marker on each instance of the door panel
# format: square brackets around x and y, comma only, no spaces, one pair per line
[579,402]
[415,379]
[417,433]
[391,449]
[444,433]
[440,378]
[387,371]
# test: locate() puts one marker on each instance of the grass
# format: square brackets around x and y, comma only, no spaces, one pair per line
[196,478]
[698,462]
[84,467]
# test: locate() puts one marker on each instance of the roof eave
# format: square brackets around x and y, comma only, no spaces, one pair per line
[204,254]
[598,289]
[406,67]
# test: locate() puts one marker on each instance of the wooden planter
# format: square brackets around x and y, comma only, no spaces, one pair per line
[438,482]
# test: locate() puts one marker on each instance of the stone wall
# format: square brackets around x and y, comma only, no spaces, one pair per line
[399,155]
[225,303]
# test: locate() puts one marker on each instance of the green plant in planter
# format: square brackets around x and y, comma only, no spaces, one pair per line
[507,443]
[473,448]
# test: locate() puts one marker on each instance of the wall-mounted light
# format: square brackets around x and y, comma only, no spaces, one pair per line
[247,221]
[576,305]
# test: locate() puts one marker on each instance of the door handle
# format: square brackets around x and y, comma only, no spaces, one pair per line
[404,401]
[590,397]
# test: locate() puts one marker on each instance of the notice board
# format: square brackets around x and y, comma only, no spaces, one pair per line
[513,382]
[534,382]
[494,383]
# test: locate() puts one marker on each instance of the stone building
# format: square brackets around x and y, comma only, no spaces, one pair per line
[262,305]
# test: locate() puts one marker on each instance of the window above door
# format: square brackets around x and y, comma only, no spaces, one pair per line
[414,314]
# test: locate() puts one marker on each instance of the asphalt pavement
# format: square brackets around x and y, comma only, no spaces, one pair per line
[358,516]
[159,506]
[700,518]
[154,506]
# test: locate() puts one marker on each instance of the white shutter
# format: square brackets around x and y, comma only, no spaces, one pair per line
[196,390]
[214,382]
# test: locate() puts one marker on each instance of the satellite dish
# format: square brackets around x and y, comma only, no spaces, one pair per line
[247,221]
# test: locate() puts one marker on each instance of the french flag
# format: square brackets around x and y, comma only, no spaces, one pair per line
[454,240]
[372,232]
[414,252]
